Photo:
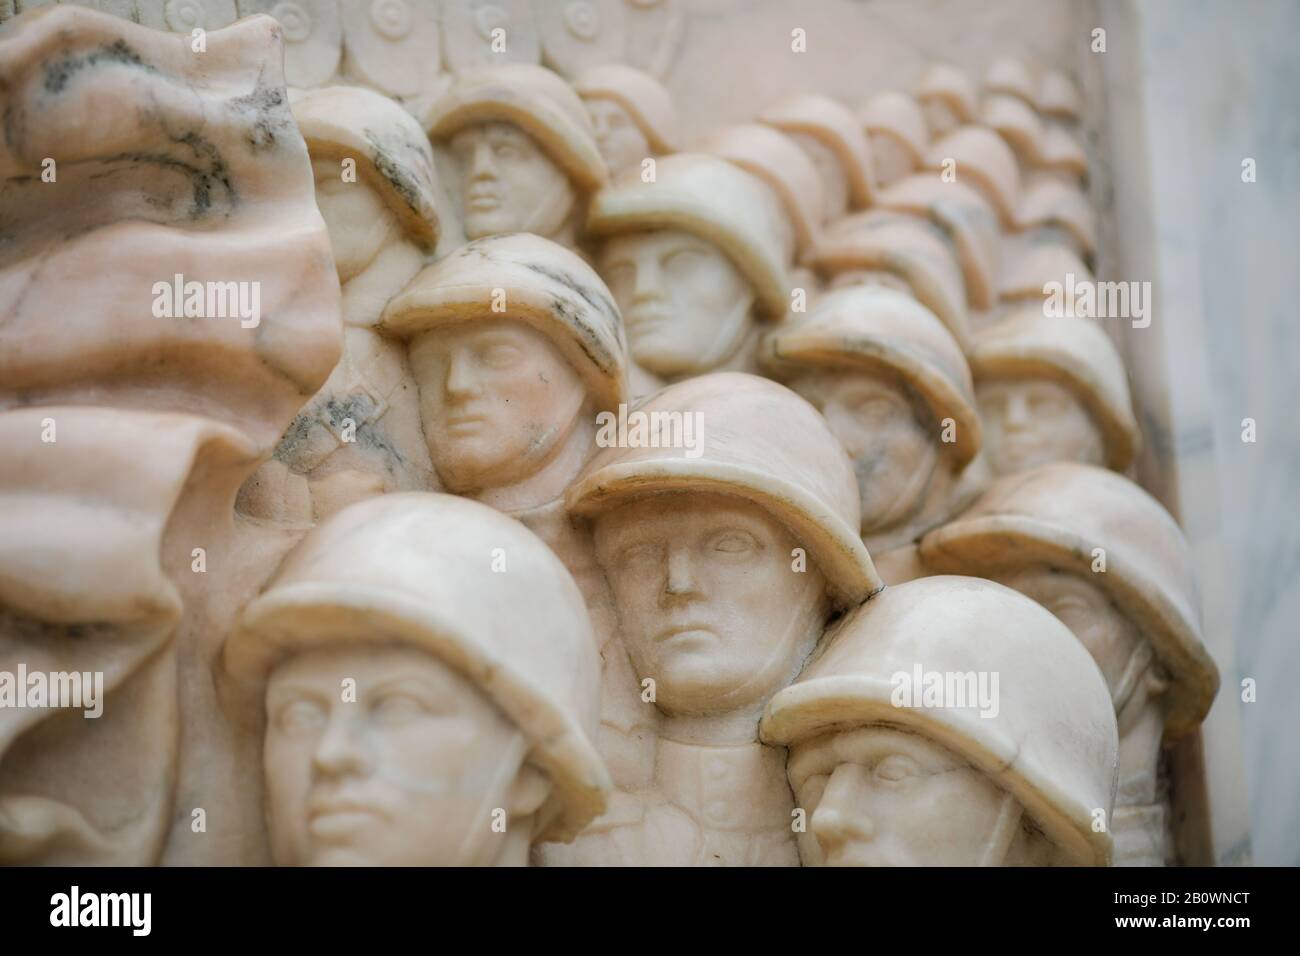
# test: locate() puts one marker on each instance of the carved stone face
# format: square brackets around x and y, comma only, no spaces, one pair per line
[875,796]
[509,183]
[1082,606]
[1032,422]
[709,602]
[408,773]
[684,303]
[835,183]
[497,400]
[893,444]
[618,137]
[359,222]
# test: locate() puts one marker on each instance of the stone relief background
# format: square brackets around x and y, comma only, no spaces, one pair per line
[1236,501]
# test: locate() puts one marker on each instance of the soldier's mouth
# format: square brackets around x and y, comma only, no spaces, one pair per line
[483,202]
[684,633]
[338,817]
[647,319]
[466,424]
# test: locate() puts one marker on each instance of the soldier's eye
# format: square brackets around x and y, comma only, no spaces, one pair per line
[398,708]
[509,152]
[1067,606]
[462,146]
[682,261]
[896,767]
[1046,402]
[875,408]
[643,551]
[501,356]
[735,542]
[299,718]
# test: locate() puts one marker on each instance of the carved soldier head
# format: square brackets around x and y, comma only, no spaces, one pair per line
[1023,105]
[387,192]
[967,220]
[980,158]
[725,558]
[377,191]
[524,148]
[834,140]
[901,251]
[431,689]
[948,99]
[949,722]
[631,113]
[1052,389]
[692,259]
[897,131]
[1110,562]
[895,390]
[515,345]
[788,171]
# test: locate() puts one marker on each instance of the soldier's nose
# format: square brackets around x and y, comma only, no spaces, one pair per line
[833,826]
[1017,415]
[339,750]
[483,165]
[461,378]
[648,282]
[680,575]
[840,815]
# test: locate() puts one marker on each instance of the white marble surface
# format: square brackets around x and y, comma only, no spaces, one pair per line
[1219,81]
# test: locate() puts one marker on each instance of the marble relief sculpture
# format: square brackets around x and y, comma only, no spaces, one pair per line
[1052,389]
[836,143]
[1013,108]
[517,348]
[792,175]
[182,252]
[631,113]
[1109,561]
[968,223]
[695,260]
[466,737]
[377,191]
[904,252]
[523,148]
[725,568]
[948,99]
[895,389]
[474,456]
[896,128]
[1017,779]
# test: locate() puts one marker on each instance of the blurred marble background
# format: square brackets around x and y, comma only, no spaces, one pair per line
[1220,83]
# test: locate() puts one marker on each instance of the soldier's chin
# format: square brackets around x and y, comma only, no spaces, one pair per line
[343,854]
[480,224]
[1021,457]
[469,467]
[693,684]
[658,352]
[857,854]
